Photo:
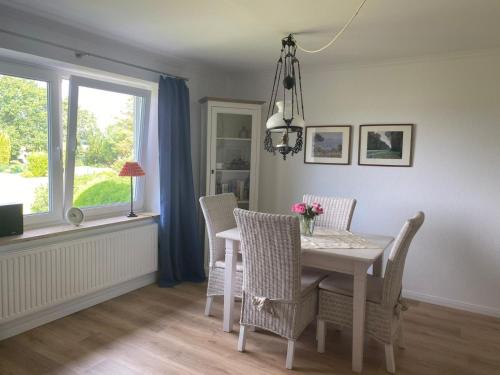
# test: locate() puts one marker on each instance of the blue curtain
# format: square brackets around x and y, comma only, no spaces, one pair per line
[180,248]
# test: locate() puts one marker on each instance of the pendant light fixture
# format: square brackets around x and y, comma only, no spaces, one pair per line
[286,96]
[290,116]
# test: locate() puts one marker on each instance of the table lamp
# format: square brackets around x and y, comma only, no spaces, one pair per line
[132,169]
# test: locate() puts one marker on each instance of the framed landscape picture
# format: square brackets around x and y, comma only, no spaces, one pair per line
[329,144]
[386,145]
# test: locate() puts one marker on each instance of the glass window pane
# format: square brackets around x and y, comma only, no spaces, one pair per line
[233,155]
[24,129]
[106,123]
[234,125]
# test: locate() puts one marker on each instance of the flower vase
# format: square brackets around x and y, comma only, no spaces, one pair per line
[306,225]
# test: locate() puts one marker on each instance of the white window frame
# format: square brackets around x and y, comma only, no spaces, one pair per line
[54,141]
[141,131]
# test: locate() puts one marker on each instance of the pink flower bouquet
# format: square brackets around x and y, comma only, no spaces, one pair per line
[308,211]
[307,215]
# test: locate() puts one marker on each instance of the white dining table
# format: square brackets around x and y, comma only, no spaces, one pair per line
[353,261]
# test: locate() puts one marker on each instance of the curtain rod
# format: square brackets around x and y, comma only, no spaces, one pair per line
[79,54]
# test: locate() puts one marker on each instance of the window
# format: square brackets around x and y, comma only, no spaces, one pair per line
[24,142]
[95,126]
[30,162]
[105,123]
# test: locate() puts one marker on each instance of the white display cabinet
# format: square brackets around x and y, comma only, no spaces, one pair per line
[232,130]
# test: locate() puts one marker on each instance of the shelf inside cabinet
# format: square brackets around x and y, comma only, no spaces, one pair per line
[233,139]
[233,170]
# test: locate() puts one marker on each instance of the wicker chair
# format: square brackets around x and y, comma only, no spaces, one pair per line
[383,297]
[278,296]
[218,213]
[338,211]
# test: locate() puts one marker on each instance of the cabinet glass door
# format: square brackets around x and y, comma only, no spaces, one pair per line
[233,155]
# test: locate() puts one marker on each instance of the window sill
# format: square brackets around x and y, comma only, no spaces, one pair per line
[47,232]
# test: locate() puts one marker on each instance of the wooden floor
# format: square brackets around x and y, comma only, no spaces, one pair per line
[163,331]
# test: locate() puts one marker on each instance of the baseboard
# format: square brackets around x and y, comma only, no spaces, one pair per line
[447,302]
[39,318]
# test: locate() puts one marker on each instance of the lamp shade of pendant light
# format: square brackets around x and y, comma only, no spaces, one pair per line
[286,96]
[276,122]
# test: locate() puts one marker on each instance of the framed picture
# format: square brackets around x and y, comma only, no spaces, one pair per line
[329,144]
[386,145]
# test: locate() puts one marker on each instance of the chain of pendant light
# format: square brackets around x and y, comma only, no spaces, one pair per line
[268,142]
[336,36]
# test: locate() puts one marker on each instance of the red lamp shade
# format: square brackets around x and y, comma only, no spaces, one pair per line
[131,168]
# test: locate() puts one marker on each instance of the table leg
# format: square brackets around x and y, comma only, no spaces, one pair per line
[229,276]
[377,266]
[358,325]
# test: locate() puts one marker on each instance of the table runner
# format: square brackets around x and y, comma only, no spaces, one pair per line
[325,238]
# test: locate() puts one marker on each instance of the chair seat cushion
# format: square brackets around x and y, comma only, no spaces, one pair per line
[342,283]
[311,278]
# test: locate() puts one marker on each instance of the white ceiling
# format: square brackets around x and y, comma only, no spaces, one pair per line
[245,34]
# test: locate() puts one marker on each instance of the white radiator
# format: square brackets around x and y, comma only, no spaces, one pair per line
[36,278]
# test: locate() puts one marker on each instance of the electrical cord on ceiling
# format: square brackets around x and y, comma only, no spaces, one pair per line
[336,35]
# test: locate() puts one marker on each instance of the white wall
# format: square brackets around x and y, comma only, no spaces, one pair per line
[203,80]
[455,180]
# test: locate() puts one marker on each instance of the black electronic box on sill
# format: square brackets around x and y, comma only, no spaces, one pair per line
[11,219]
